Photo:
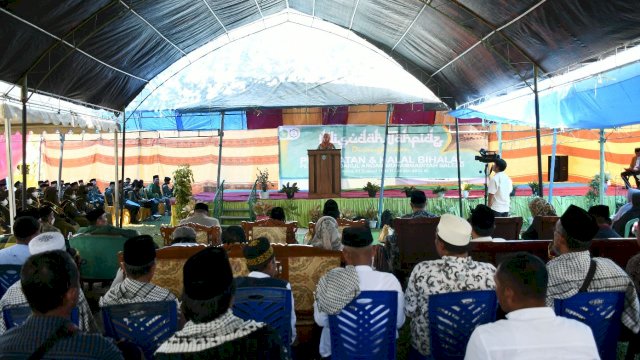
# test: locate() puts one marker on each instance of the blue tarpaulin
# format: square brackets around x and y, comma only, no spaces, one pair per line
[174,120]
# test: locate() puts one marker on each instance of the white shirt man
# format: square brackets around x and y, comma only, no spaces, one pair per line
[358,254]
[499,189]
[531,330]
[201,216]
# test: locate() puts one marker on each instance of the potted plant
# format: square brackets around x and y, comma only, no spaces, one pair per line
[535,188]
[371,215]
[261,210]
[408,190]
[315,213]
[182,180]
[439,191]
[263,183]
[465,190]
[371,189]
[290,190]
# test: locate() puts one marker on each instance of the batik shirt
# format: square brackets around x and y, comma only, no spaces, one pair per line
[14,297]
[449,274]
[132,291]
[568,271]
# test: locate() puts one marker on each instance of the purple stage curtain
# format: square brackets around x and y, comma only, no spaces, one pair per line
[264,119]
[412,114]
[335,115]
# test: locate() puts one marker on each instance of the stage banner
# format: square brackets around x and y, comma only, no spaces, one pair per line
[413,153]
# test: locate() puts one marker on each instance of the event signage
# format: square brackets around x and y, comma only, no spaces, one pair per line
[416,152]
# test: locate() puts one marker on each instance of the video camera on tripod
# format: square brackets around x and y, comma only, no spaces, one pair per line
[487,156]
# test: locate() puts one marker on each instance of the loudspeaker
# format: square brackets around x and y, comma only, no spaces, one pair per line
[561,171]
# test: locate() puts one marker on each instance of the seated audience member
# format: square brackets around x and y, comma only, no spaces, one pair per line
[340,286]
[634,212]
[167,190]
[201,216]
[483,223]
[538,207]
[326,234]
[601,214]
[624,208]
[233,235]
[277,213]
[50,282]
[633,266]
[14,296]
[47,218]
[531,329]
[183,236]
[261,262]
[568,271]
[212,331]
[455,271]
[139,255]
[25,228]
[99,225]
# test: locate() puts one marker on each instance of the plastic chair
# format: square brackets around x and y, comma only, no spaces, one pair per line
[628,226]
[9,274]
[601,311]
[17,315]
[146,324]
[268,305]
[453,317]
[366,327]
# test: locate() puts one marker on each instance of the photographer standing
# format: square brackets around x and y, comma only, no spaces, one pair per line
[499,189]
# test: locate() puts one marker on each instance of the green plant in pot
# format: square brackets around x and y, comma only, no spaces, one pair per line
[439,191]
[263,183]
[371,214]
[289,190]
[182,180]
[408,190]
[371,189]
[535,188]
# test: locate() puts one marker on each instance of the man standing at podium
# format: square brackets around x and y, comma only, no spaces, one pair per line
[326,143]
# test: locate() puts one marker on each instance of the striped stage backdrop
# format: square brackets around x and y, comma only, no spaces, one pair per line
[148,153]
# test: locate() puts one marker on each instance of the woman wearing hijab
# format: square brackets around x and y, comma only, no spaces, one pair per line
[538,207]
[326,234]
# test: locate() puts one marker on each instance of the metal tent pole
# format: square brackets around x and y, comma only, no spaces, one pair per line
[538,146]
[221,134]
[116,190]
[602,181]
[459,175]
[124,128]
[40,158]
[500,139]
[62,135]
[12,197]
[552,170]
[25,98]
[384,161]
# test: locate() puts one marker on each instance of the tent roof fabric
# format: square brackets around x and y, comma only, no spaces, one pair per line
[41,120]
[104,52]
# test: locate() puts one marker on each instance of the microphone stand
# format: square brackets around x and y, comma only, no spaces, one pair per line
[486,187]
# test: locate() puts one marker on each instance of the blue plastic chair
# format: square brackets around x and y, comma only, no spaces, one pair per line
[9,274]
[453,317]
[17,315]
[628,226]
[366,327]
[146,324]
[601,311]
[266,304]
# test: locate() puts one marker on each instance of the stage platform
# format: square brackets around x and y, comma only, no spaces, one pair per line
[355,203]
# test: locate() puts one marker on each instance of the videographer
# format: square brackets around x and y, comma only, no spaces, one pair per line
[499,189]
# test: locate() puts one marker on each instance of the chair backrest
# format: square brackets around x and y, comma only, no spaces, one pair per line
[206,235]
[278,232]
[169,264]
[366,327]
[601,311]
[98,253]
[453,317]
[416,241]
[146,324]
[508,228]
[545,226]
[342,223]
[264,304]
[9,274]
[17,315]
[628,225]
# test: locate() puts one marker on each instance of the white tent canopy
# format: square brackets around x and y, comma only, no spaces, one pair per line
[285,60]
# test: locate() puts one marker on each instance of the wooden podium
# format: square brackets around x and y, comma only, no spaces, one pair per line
[324,173]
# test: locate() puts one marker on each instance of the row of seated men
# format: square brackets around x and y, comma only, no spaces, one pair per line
[524,285]
[136,195]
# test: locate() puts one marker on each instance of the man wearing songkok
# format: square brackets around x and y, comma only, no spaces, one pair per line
[483,223]
[569,271]
[201,216]
[338,287]
[212,331]
[499,189]
[261,261]
[50,281]
[532,330]
[99,225]
[25,228]
[14,297]
[139,255]
[601,214]
[455,271]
